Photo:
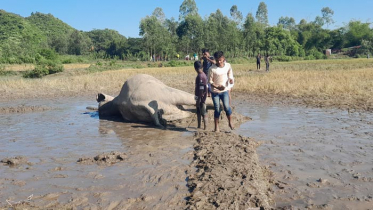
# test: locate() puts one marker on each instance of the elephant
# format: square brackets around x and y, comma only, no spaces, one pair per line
[144,98]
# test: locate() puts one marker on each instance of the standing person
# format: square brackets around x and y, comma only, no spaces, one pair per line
[195,56]
[220,75]
[258,59]
[200,93]
[208,60]
[267,60]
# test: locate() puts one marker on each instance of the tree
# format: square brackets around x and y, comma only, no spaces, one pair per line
[262,14]
[327,14]
[159,14]
[280,42]
[235,14]
[188,7]
[286,22]
[190,32]
[356,32]
[102,39]
[151,31]
[249,35]
[319,21]
[79,44]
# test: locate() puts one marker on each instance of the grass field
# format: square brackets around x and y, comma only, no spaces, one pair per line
[342,83]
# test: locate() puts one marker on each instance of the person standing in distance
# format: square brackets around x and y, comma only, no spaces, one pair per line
[258,59]
[220,75]
[267,60]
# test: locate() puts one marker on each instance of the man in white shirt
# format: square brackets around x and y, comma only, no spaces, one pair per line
[220,76]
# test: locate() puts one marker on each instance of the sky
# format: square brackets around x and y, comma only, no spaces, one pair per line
[124,16]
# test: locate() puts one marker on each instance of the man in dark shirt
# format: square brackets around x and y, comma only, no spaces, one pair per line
[208,60]
[200,93]
[258,58]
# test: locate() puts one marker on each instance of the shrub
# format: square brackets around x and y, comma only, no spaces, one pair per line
[38,72]
[172,63]
[43,68]
[67,61]
[283,58]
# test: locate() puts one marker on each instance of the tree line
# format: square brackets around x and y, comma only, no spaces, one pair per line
[25,40]
[246,36]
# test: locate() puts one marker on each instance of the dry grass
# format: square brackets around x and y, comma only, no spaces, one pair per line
[341,83]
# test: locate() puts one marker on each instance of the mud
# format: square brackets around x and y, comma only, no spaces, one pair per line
[23,109]
[228,175]
[15,161]
[297,157]
[320,158]
[71,163]
[104,159]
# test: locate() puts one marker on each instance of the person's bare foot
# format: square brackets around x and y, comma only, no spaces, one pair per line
[231,126]
[217,130]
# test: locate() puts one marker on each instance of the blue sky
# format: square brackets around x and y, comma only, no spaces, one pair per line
[125,15]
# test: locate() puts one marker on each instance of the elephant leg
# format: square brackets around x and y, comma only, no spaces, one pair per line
[156,114]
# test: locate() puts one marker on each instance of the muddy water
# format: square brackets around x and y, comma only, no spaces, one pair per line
[53,141]
[322,158]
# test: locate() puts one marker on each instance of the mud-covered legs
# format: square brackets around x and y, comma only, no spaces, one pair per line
[224,97]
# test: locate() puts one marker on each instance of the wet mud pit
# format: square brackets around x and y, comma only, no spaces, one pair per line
[320,159]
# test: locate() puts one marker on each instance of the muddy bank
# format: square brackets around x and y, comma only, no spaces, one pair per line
[228,174]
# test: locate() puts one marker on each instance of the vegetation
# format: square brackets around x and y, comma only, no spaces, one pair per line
[23,39]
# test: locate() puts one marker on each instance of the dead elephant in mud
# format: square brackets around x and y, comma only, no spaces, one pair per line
[144,98]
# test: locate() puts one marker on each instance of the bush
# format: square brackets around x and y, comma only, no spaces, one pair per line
[38,72]
[67,61]
[316,54]
[43,68]
[283,58]
[172,63]
[175,63]
[309,57]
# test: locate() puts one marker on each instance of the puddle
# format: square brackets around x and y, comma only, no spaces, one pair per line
[54,140]
[322,158]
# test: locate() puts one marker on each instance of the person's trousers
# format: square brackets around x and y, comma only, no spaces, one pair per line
[224,97]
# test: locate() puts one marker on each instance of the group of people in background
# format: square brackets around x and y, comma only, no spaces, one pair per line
[267,59]
[194,57]
[214,79]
